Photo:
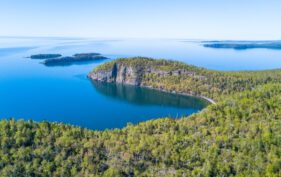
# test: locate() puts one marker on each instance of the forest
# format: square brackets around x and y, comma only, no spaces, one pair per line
[237,136]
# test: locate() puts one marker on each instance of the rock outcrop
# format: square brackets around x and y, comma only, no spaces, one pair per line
[146,72]
[131,75]
[119,73]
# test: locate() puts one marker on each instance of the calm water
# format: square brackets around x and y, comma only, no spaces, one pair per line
[31,90]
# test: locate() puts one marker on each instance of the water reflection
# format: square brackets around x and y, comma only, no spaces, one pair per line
[144,97]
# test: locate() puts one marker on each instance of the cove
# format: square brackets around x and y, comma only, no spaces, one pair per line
[30,90]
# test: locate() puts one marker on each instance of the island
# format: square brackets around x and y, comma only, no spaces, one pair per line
[243,45]
[44,56]
[86,54]
[76,58]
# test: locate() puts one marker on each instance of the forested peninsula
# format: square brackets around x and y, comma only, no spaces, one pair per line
[237,136]
[177,77]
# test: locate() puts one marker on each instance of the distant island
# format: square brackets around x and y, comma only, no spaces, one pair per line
[243,45]
[86,54]
[45,56]
[58,60]
[80,57]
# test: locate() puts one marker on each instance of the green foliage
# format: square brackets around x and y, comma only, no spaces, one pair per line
[239,136]
[141,62]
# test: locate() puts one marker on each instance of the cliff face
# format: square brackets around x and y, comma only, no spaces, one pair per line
[131,75]
[119,73]
[167,76]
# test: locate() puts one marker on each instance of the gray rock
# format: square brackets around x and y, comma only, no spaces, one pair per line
[119,73]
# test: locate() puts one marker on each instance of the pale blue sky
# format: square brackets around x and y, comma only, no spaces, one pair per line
[193,19]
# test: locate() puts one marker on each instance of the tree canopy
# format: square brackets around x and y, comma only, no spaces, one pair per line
[238,136]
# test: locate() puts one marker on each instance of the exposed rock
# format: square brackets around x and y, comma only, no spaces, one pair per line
[120,74]
[134,72]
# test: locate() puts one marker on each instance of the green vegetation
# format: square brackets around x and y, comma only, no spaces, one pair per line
[77,58]
[195,80]
[238,136]
[45,56]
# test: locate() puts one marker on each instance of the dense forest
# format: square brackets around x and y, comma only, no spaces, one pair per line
[238,136]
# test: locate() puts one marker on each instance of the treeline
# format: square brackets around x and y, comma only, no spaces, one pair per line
[239,136]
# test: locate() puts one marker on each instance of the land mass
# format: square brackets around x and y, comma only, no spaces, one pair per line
[244,45]
[86,54]
[77,58]
[45,56]
[237,136]
[180,78]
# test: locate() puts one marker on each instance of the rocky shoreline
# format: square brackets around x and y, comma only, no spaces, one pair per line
[130,75]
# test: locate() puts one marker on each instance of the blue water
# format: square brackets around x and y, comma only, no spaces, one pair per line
[30,90]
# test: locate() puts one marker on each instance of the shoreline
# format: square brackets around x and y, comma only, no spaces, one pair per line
[178,93]
[163,90]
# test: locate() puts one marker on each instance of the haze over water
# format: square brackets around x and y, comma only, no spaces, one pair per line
[31,90]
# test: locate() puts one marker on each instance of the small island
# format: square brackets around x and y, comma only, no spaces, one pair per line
[86,54]
[45,56]
[243,45]
[77,58]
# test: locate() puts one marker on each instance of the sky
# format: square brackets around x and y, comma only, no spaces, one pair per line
[188,19]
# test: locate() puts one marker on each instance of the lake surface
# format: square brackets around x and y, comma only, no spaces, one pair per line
[30,90]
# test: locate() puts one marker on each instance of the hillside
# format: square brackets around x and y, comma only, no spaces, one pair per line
[239,136]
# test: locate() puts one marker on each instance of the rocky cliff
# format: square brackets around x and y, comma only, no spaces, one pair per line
[119,73]
[167,76]
[131,75]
